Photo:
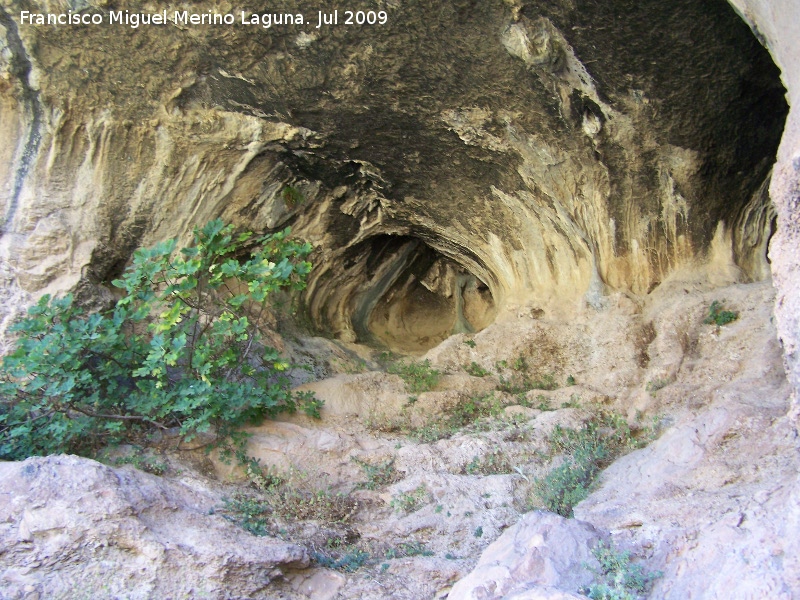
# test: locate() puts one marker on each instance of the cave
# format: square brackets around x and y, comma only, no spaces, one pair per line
[534,206]
[417,297]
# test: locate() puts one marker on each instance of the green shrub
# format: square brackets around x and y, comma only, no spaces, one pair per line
[587,451]
[406,549]
[142,461]
[180,349]
[418,377]
[378,475]
[410,501]
[476,370]
[717,315]
[656,384]
[493,463]
[249,513]
[293,496]
[347,561]
[620,578]
[461,415]
[521,383]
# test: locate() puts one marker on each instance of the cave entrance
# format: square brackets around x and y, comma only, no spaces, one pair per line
[418,297]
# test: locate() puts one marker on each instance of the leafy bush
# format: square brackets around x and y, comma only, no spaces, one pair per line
[293,496]
[143,461]
[587,451]
[492,463]
[520,380]
[348,562]
[249,513]
[407,549]
[656,384]
[717,315]
[476,370]
[410,501]
[378,475]
[620,578]
[180,349]
[419,377]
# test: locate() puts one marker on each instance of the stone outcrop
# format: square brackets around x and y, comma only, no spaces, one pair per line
[454,162]
[774,24]
[72,527]
[542,550]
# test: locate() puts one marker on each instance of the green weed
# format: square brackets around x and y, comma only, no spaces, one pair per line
[347,561]
[656,384]
[418,377]
[378,475]
[405,549]
[409,502]
[586,452]
[620,578]
[717,315]
[493,463]
[476,370]
[143,461]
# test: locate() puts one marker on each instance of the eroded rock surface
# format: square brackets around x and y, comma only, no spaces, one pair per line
[459,159]
[72,527]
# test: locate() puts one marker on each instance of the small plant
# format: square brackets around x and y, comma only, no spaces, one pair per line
[142,461]
[520,364]
[406,549]
[717,315]
[476,370]
[347,561]
[293,496]
[620,578]
[656,384]
[378,475]
[573,402]
[521,383]
[478,532]
[292,197]
[570,381]
[493,463]
[308,402]
[410,501]
[418,377]
[587,451]
[463,414]
[470,343]
[250,514]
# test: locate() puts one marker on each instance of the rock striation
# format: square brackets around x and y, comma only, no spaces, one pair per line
[458,160]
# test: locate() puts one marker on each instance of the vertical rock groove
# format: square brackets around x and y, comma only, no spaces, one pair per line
[21,67]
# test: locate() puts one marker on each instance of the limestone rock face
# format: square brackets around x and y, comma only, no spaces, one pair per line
[541,551]
[76,528]
[775,23]
[458,160]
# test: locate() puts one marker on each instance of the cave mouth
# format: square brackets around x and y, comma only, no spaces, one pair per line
[418,297]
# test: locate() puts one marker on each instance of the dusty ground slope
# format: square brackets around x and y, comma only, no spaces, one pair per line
[713,502]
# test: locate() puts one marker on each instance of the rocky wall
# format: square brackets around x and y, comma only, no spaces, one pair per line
[775,24]
[548,152]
